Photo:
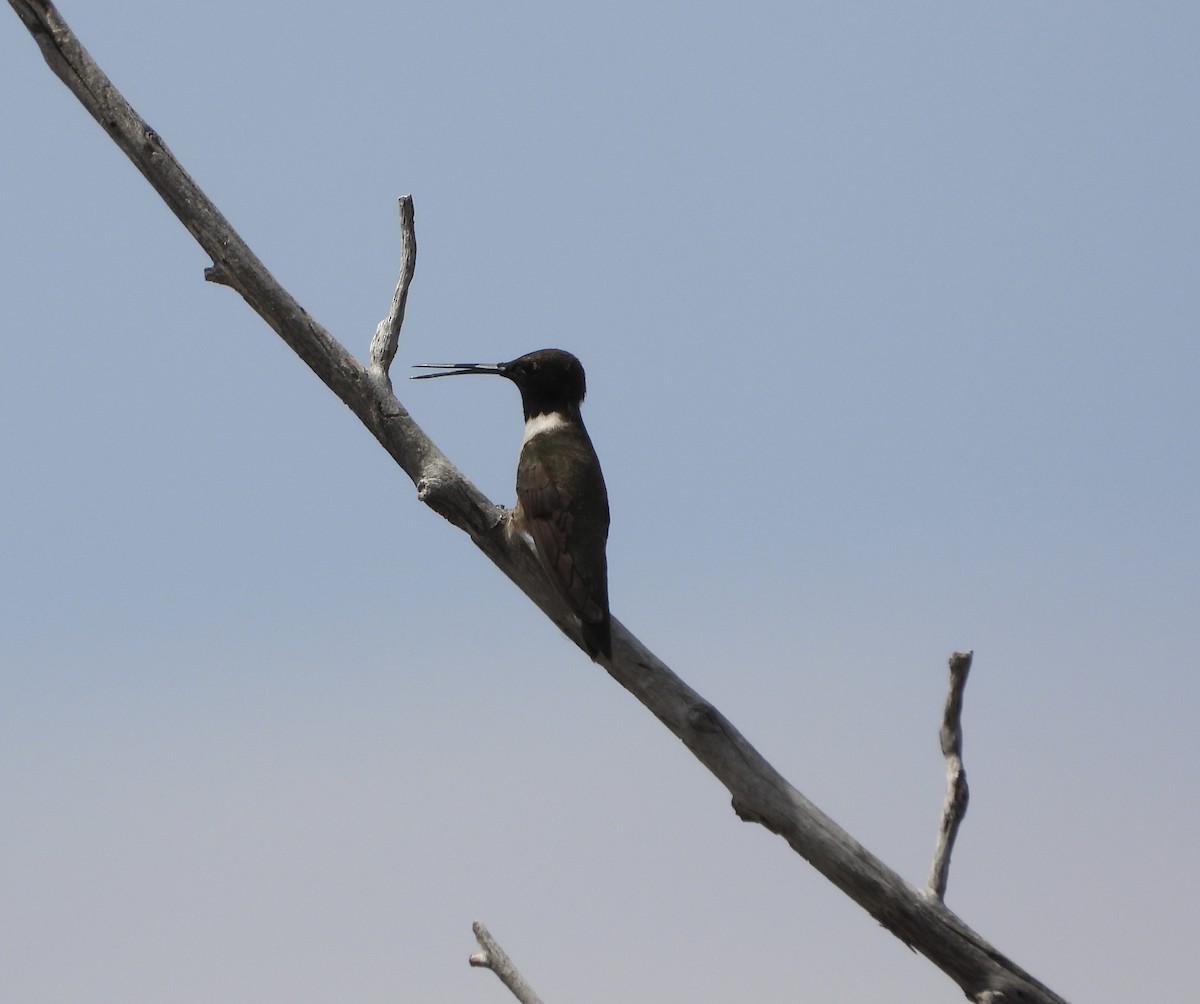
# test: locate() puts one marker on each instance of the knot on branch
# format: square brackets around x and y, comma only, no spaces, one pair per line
[443,489]
[217,273]
[705,719]
[152,140]
[749,815]
[436,488]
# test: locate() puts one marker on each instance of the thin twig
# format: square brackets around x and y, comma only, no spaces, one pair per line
[494,958]
[387,334]
[957,794]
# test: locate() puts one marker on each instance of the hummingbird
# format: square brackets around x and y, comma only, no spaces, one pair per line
[562,504]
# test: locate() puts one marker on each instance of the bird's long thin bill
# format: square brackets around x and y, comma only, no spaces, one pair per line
[454,369]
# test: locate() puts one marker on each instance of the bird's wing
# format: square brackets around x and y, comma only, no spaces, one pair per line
[570,539]
[550,521]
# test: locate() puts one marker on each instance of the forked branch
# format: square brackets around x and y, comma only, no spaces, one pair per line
[760,793]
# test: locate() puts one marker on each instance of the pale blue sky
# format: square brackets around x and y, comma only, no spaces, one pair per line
[890,316]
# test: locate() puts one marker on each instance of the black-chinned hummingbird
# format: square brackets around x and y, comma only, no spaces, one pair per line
[562,504]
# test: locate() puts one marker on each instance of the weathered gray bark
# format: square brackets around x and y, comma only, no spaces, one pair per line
[493,957]
[759,793]
[957,793]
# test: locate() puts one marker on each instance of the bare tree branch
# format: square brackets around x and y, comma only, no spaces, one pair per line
[387,335]
[760,793]
[494,958]
[957,793]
